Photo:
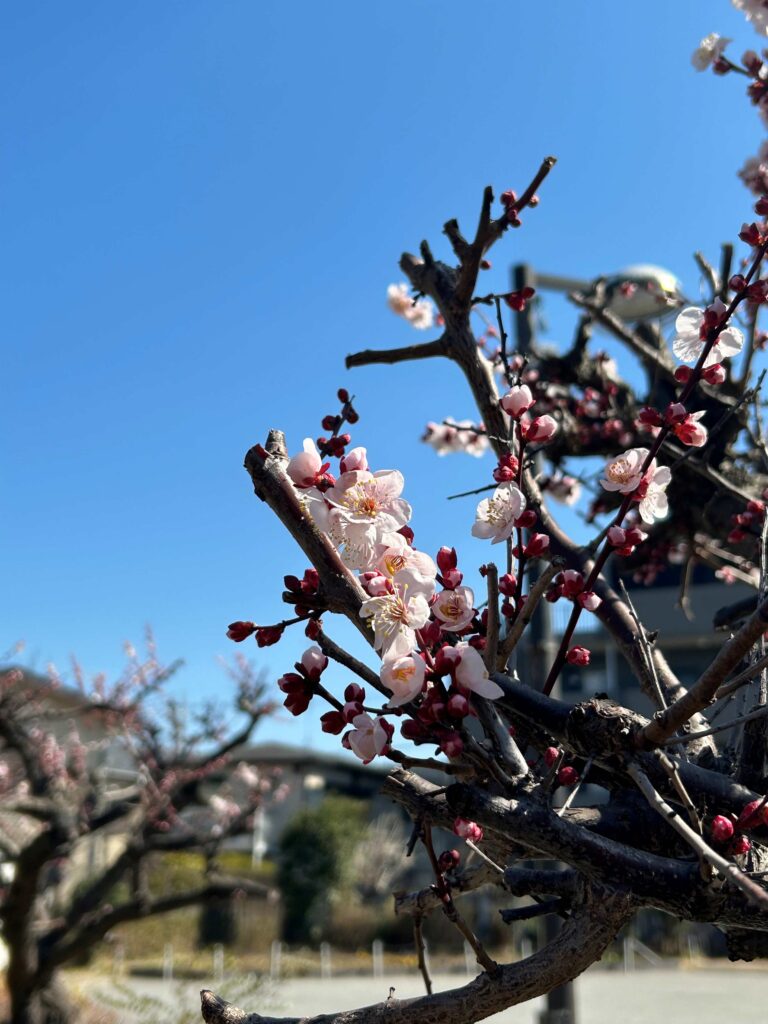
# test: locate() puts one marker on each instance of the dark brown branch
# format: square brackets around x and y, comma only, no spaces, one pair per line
[581,941]
[700,696]
[372,356]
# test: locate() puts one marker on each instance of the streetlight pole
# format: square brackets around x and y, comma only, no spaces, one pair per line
[539,643]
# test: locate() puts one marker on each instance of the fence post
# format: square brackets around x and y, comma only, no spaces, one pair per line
[167,962]
[118,960]
[377,952]
[275,960]
[469,960]
[325,960]
[218,963]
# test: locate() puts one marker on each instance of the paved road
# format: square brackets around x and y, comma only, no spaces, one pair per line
[709,996]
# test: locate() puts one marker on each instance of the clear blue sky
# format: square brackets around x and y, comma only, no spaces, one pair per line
[202,206]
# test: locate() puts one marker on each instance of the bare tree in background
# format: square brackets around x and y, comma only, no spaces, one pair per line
[61,795]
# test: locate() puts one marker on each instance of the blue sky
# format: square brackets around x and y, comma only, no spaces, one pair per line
[202,206]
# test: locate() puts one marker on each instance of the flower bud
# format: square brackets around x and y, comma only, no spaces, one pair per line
[578,656]
[527,519]
[507,584]
[239,631]
[567,776]
[714,374]
[683,374]
[541,430]
[449,860]
[721,828]
[468,830]
[551,754]
[517,400]
[446,559]
[537,545]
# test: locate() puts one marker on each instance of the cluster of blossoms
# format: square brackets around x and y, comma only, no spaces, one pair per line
[730,830]
[420,313]
[744,524]
[456,436]
[424,623]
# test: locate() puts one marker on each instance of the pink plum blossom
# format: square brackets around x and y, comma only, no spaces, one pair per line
[495,517]
[454,608]
[472,674]
[368,738]
[456,436]
[688,343]
[690,431]
[404,676]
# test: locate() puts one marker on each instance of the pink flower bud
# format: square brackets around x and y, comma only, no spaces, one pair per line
[452,745]
[753,815]
[721,828]
[567,776]
[571,582]
[457,706]
[314,662]
[589,600]
[537,545]
[507,584]
[578,656]
[527,519]
[617,536]
[675,413]
[517,400]
[354,692]
[714,374]
[468,830]
[683,374]
[551,754]
[355,459]
[541,430]
[740,846]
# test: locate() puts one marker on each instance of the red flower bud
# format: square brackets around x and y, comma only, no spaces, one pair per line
[721,828]
[239,631]
[714,374]
[567,776]
[683,374]
[446,559]
[537,545]
[266,636]
[333,722]
[343,395]
[354,692]
[457,706]
[551,754]
[527,519]
[449,860]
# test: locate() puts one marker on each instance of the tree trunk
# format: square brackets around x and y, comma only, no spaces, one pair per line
[44,1004]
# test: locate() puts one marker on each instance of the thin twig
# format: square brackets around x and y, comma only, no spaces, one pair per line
[421,952]
[726,868]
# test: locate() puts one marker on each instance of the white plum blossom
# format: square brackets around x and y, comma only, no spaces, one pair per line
[419,314]
[688,343]
[454,608]
[472,674]
[495,517]
[404,677]
[368,737]
[363,510]
[304,467]
[395,619]
[407,566]
[624,473]
[756,12]
[456,436]
[709,49]
[654,504]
